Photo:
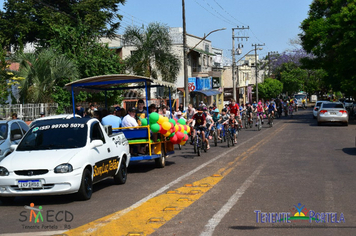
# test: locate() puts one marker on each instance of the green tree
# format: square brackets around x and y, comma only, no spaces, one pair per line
[24,21]
[153,55]
[42,71]
[270,88]
[329,34]
[91,57]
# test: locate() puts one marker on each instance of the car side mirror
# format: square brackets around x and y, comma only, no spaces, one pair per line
[96,143]
[13,147]
[16,137]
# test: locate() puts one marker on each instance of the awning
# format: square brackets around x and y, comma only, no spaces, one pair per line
[209,92]
[203,52]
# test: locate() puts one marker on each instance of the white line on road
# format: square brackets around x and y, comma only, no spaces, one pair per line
[215,220]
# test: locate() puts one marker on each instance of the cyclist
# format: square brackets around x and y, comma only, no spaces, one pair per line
[231,124]
[259,111]
[235,109]
[271,110]
[200,123]
[224,117]
[209,125]
[249,112]
[303,102]
[216,118]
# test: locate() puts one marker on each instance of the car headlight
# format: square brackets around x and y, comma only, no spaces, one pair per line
[4,171]
[63,168]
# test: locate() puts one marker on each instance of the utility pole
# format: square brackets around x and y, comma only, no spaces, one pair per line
[233,56]
[186,90]
[273,53]
[256,45]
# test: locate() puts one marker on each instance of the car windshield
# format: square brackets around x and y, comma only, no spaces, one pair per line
[54,136]
[299,96]
[3,131]
[333,105]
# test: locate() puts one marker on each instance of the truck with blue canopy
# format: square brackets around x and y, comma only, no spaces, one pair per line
[157,133]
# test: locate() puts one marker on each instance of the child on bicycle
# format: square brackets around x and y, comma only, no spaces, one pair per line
[259,111]
[224,117]
[231,124]
[200,123]
[249,112]
[271,110]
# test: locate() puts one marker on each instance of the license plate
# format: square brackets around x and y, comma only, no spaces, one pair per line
[30,184]
[332,113]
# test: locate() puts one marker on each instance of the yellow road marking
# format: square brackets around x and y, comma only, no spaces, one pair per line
[154,213]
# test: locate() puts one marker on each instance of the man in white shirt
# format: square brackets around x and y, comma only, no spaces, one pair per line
[129,120]
[165,113]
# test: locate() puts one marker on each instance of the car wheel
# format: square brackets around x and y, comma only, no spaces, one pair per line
[319,123]
[7,200]
[314,117]
[86,186]
[161,161]
[121,176]
[346,123]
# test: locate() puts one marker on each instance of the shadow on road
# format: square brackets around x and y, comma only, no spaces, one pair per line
[350,151]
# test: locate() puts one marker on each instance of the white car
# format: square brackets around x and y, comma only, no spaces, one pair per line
[317,107]
[63,157]
[61,116]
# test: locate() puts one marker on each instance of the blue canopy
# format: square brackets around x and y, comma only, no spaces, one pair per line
[209,92]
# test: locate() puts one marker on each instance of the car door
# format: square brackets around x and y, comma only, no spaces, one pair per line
[100,156]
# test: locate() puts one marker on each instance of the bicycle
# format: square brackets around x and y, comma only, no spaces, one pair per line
[270,120]
[198,141]
[259,122]
[244,120]
[214,134]
[291,111]
[229,136]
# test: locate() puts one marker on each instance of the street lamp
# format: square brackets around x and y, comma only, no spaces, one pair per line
[185,55]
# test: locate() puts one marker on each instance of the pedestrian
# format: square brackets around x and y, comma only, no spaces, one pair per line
[14,116]
[110,119]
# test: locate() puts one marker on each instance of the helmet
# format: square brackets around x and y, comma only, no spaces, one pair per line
[217,110]
[205,108]
[259,103]
[272,102]
[224,110]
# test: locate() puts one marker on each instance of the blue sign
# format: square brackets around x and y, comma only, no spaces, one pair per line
[204,83]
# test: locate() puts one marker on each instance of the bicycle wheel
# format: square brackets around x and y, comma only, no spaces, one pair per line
[198,146]
[259,125]
[227,134]
[246,123]
[232,138]
[215,138]
[195,144]
[205,146]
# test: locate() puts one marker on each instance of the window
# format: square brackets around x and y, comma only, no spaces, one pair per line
[15,129]
[96,133]
[24,127]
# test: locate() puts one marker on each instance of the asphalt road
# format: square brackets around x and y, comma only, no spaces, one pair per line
[226,191]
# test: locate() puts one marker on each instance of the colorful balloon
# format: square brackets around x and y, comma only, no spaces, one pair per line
[155,127]
[144,122]
[180,135]
[172,121]
[153,118]
[167,134]
[182,142]
[181,121]
[166,125]
[173,139]
[160,119]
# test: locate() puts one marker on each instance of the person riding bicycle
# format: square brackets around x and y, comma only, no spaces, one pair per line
[259,111]
[209,125]
[231,124]
[303,102]
[224,117]
[271,109]
[216,117]
[249,112]
[235,109]
[200,123]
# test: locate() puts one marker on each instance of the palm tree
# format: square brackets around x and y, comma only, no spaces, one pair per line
[152,57]
[42,70]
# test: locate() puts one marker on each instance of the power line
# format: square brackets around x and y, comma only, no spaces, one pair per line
[228,13]
[212,13]
[219,13]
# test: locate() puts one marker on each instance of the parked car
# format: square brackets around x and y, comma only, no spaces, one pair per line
[11,132]
[316,108]
[333,112]
[63,157]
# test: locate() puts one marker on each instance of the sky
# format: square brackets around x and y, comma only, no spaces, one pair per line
[270,22]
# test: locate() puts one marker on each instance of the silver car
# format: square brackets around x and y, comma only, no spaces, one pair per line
[333,112]
[11,132]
